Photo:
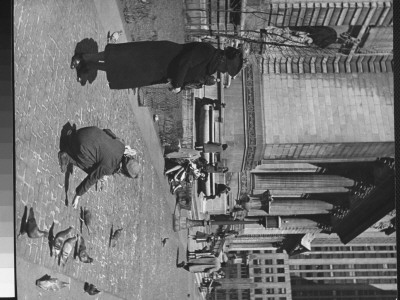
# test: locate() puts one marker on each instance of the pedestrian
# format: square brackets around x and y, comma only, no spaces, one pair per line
[99,153]
[201,237]
[215,103]
[207,80]
[207,264]
[137,64]
[219,190]
[211,147]
[215,168]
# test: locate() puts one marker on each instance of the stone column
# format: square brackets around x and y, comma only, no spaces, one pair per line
[294,180]
[289,207]
[296,183]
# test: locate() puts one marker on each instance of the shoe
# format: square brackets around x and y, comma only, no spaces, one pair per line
[76,60]
[181,264]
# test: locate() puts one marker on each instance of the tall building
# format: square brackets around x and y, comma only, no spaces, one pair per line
[314,127]
[260,275]
[365,268]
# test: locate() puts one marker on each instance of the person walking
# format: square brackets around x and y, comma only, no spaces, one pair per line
[137,64]
[99,153]
[206,263]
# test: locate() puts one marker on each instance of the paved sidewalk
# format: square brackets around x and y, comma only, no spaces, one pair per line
[46,97]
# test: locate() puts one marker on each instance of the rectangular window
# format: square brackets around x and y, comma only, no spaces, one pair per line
[258,291]
[281,270]
[269,279]
[256,261]
[268,262]
[270,291]
[280,261]
[281,279]
[281,291]
[269,270]
[257,271]
[257,279]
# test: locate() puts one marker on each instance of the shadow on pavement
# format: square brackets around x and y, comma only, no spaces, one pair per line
[51,239]
[22,229]
[177,257]
[87,45]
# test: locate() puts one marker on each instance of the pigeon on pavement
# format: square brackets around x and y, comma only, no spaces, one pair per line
[91,289]
[67,249]
[115,236]
[59,240]
[112,38]
[50,284]
[32,229]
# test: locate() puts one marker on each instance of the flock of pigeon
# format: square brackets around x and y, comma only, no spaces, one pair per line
[62,245]
[63,242]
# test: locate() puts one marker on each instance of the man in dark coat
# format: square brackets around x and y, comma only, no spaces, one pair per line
[137,64]
[99,153]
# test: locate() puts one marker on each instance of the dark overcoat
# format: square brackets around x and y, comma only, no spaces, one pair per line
[95,152]
[137,64]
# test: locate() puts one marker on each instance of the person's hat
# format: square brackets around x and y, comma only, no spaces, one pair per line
[131,166]
[234,60]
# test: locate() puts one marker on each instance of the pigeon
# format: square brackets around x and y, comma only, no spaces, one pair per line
[113,38]
[115,236]
[59,240]
[66,249]
[164,241]
[32,229]
[91,289]
[50,284]
[83,256]
[86,217]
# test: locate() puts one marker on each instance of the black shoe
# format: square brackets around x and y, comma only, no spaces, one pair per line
[76,60]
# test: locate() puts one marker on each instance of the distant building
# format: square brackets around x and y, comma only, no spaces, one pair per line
[365,268]
[313,127]
[262,275]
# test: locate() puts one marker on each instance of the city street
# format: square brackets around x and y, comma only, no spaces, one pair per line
[47,96]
